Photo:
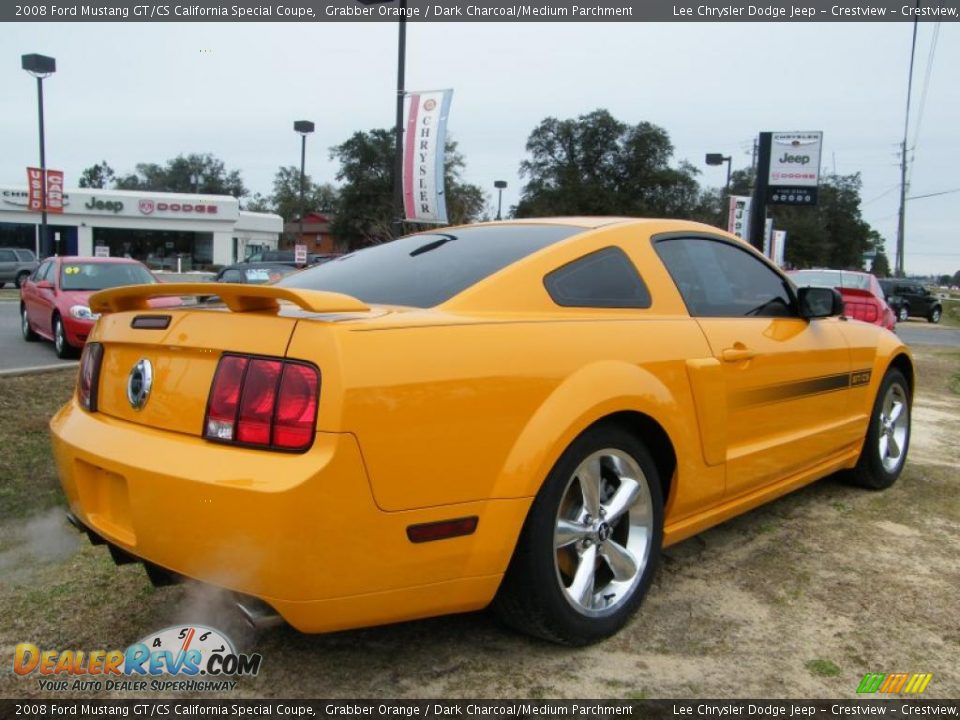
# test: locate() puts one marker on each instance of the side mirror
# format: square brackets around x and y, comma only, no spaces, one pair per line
[817,302]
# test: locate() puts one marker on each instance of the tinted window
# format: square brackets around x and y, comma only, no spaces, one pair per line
[428,269]
[41,272]
[718,279]
[99,276]
[605,278]
[231,276]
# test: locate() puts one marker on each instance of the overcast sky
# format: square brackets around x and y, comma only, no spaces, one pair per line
[130,93]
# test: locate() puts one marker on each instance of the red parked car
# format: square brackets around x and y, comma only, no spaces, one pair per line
[863,298]
[54,300]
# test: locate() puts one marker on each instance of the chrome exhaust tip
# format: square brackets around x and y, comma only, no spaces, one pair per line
[257,614]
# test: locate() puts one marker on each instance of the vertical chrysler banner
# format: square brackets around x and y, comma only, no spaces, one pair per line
[45,191]
[425,139]
[738,219]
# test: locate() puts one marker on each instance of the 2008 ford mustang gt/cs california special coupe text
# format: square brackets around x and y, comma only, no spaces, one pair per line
[519,414]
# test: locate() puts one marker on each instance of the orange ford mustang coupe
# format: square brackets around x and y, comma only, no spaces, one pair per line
[519,414]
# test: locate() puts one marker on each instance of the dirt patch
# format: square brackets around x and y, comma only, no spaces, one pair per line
[799,598]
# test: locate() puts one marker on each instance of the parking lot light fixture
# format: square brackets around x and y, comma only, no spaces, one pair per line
[41,66]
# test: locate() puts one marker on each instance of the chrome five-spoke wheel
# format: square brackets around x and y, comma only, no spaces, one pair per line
[894,424]
[603,530]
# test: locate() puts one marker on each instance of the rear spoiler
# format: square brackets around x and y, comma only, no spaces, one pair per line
[855,292]
[237,297]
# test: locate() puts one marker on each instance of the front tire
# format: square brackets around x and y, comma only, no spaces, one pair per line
[888,436]
[934,316]
[64,350]
[591,542]
[903,314]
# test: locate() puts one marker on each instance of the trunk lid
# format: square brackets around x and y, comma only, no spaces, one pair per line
[184,353]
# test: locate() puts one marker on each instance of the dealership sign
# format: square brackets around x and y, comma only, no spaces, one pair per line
[424,146]
[100,202]
[794,168]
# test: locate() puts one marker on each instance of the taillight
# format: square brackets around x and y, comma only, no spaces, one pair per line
[262,402]
[89,379]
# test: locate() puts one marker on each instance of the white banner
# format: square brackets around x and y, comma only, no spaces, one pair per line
[795,158]
[768,237]
[738,216]
[424,146]
[779,242]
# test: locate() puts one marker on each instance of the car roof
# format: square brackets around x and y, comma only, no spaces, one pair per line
[91,259]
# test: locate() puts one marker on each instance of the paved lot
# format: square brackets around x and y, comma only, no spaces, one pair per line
[920,332]
[14,352]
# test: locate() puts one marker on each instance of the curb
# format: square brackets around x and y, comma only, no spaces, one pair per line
[40,369]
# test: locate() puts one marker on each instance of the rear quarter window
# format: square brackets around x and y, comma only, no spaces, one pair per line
[603,279]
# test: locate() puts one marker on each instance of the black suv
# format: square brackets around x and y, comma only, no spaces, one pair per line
[909,298]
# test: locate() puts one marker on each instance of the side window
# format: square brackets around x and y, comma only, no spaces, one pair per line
[603,279]
[7,256]
[25,255]
[718,279]
[231,276]
[41,271]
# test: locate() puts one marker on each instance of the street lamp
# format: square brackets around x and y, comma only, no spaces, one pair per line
[41,66]
[720,159]
[401,65]
[499,185]
[304,127]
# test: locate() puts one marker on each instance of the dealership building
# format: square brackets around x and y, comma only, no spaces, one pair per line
[156,228]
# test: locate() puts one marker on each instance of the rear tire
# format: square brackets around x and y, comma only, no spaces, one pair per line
[591,542]
[888,436]
[934,315]
[21,278]
[28,334]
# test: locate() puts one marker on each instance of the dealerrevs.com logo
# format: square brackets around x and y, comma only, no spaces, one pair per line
[178,658]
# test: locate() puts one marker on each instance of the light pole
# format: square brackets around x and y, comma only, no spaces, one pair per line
[304,127]
[41,66]
[499,185]
[195,181]
[401,67]
[720,159]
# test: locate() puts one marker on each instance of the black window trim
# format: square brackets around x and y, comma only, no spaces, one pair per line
[624,305]
[739,245]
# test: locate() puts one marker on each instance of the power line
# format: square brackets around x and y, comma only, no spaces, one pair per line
[936,194]
[923,97]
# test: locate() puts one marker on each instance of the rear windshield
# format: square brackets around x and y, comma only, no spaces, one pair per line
[428,269]
[100,276]
[831,279]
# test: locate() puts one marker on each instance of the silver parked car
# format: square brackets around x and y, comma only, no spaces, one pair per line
[16,265]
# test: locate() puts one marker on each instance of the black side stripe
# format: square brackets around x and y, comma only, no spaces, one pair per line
[800,388]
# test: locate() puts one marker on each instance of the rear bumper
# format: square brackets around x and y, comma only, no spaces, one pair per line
[300,532]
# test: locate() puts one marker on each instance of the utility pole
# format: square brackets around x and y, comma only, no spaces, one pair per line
[902,217]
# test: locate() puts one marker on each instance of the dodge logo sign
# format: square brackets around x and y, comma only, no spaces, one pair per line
[146,206]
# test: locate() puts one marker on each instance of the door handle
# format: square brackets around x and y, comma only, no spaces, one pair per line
[737,354]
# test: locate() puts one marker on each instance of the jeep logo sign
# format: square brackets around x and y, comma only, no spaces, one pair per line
[113,206]
[799,159]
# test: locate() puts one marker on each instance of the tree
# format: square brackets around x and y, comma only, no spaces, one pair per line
[597,165]
[881,263]
[365,211]
[97,176]
[285,200]
[177,175]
